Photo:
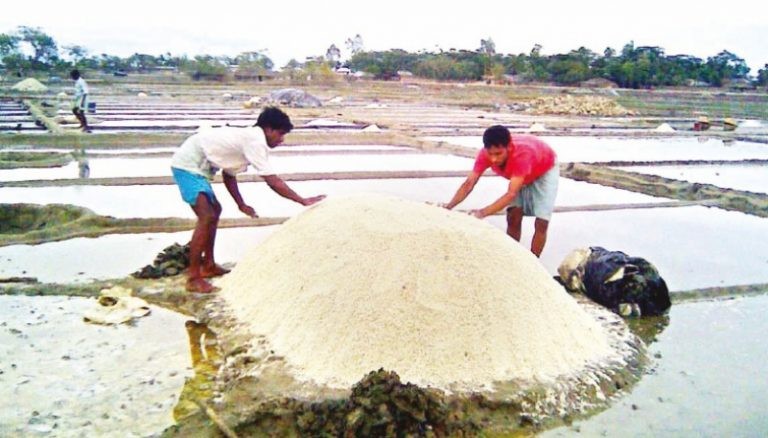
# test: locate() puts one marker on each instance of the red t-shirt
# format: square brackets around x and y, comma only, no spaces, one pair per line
[528,157]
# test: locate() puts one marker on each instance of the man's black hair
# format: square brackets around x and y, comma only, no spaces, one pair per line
[496,135]
[275,118]
[75,74]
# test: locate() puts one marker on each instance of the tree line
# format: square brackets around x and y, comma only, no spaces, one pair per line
[633,67]
[30,49]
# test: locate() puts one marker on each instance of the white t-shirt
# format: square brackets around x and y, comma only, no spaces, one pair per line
[81,88]
[230,149]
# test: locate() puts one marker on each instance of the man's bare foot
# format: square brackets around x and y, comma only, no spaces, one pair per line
[214,271]
[200,286]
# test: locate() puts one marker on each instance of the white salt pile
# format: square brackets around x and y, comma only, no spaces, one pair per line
[358,283]
[372,128]
[30,85]
[665,127]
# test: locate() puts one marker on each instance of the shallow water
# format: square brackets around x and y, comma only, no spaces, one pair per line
[60,376]
[752,178]
[708,381]
[114,255]
[692,247]
[170,149]
[165,200]
[283,164]
[602,149]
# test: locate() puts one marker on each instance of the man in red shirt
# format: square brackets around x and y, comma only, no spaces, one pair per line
[531,167]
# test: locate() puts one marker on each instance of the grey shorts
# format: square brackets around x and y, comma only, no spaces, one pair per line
[538,198]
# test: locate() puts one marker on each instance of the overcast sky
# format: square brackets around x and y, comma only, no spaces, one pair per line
[299,29]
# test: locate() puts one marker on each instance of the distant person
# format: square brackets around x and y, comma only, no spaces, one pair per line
[231,149]
[531,167]
[80,103]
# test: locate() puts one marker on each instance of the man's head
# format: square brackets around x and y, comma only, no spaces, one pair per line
[496,140]
[74,74]
[275,124]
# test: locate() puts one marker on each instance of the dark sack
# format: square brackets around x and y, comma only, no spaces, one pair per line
[639,285]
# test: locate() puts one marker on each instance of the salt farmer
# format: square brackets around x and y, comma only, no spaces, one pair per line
[531,167]
[232,149]
[80,101]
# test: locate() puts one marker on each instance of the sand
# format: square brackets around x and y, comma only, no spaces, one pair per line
[357,283]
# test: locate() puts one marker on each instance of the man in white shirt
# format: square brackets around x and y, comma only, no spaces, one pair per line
[230,149]
[80,102]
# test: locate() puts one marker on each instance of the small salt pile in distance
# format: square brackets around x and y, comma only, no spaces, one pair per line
[354,284]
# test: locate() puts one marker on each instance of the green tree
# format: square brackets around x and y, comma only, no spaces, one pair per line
[253,63]
[488,49]
[333,55]
[762,76]
[724,66]
[45,50]
[354,44]
[9,44]
[206,67]
[383,65]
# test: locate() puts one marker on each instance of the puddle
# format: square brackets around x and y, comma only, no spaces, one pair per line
[688,245]
[283,164]
[60,376]
[749,177]
[709,379]
[113,255]
[165,201]
[602,149]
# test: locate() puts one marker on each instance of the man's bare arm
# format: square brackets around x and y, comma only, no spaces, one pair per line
[230,182]
[515,183]
[281,188]
[464,190]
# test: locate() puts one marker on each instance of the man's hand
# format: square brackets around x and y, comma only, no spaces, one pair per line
[248,210]
[477,213]
[313,200]
[439,204]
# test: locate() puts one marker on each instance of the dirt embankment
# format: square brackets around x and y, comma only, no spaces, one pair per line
[729,199]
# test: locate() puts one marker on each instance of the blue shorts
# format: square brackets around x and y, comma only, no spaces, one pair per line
[191,184]
[538,198]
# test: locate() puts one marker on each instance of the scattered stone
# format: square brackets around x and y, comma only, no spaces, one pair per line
[169,262]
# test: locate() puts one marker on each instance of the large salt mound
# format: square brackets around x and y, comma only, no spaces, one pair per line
[359,283]
[30,85]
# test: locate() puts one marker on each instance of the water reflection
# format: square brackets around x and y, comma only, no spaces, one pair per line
[203,348]
[83,166]
[648,328]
